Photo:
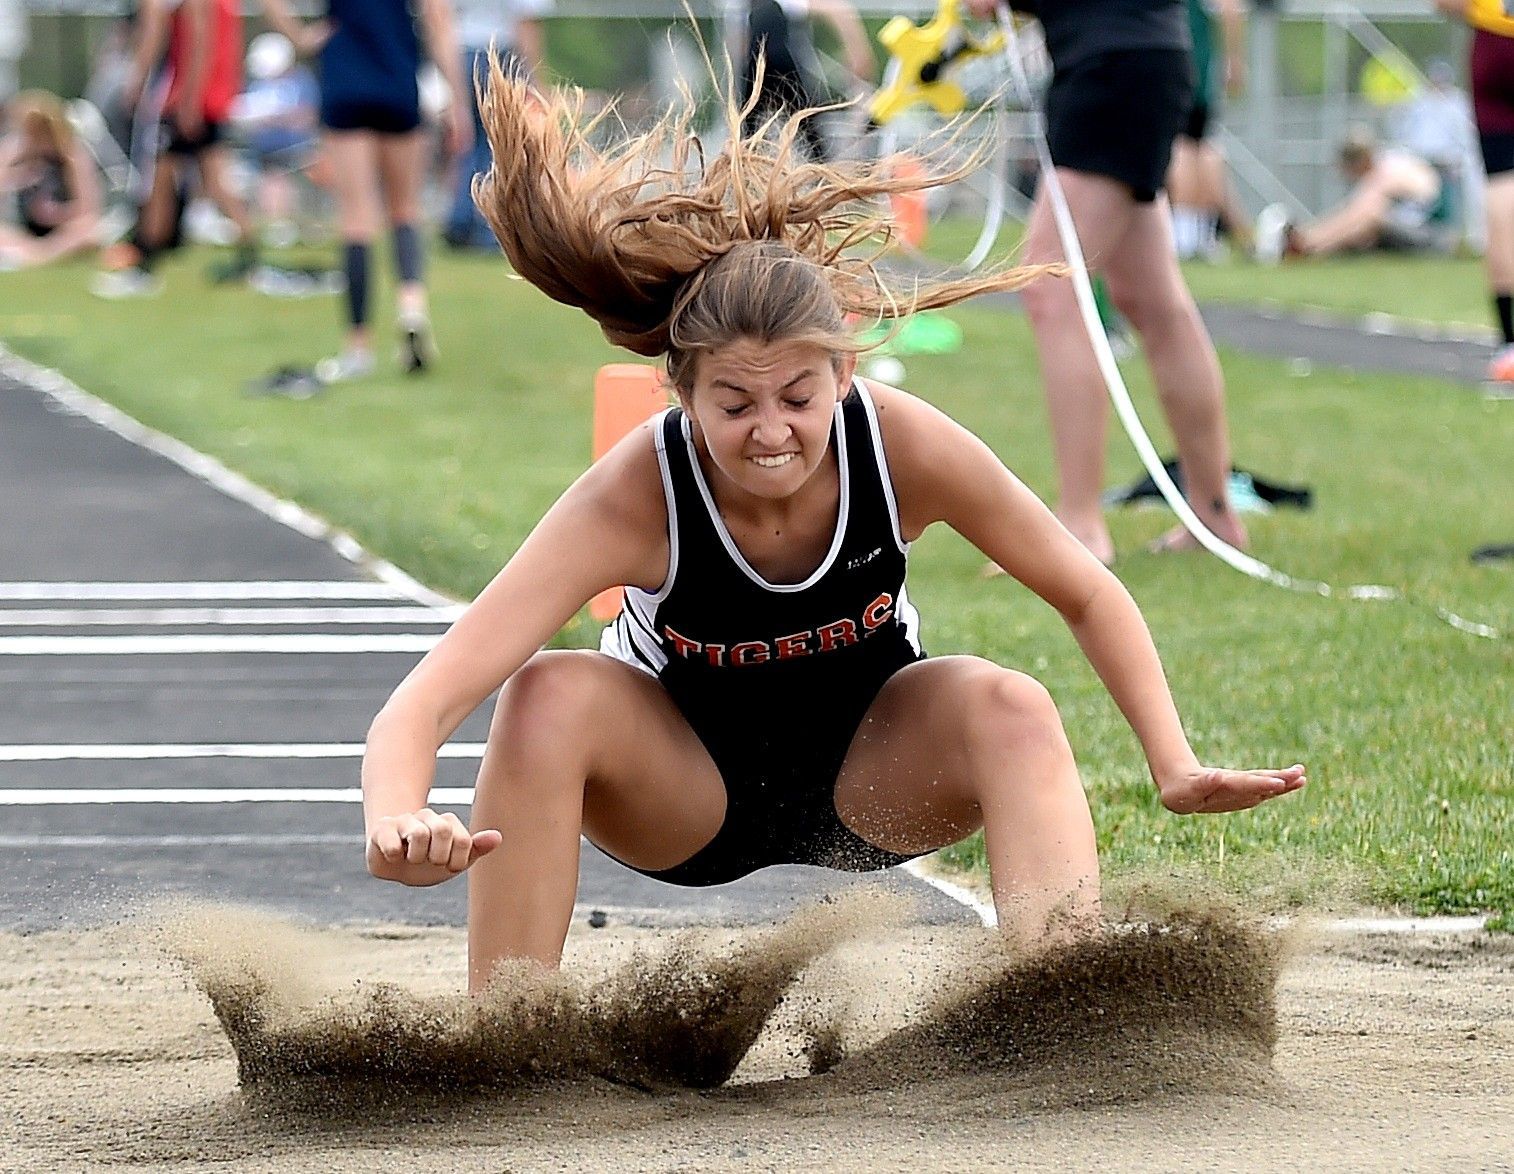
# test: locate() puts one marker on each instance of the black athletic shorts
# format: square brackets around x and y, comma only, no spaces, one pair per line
[780,777]
[173,141]
[1497,153]
[1116,114]
[1197,126]
[379,117]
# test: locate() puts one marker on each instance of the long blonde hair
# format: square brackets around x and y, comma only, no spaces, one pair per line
[680,257]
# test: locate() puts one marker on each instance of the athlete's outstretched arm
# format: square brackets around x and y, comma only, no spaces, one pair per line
[942,472]
[608,528]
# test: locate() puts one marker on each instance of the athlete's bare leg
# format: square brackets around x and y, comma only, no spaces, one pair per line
[956,743]
[581,744]
[1148,287]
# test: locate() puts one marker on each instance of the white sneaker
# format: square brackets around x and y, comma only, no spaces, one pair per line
[417,343]
[349,365]
[125,283]
[1271,234]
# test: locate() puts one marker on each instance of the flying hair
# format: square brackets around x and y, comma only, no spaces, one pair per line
[673,252]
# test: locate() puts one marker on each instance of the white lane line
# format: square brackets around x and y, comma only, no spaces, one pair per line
[176,795]
[1405,924]
[228,616]
[180,645]
[273,589]
[1358,925]
[918,869]
[265,840]
[151,752]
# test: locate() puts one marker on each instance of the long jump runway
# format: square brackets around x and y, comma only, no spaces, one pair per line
[185,684]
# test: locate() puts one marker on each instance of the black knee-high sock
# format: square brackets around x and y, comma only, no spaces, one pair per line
[1503,302]
[408,258]
[355,264]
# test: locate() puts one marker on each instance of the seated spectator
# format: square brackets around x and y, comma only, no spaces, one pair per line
[277,117]
[1394,200]
[54,181]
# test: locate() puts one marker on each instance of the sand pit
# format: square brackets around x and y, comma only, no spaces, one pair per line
[850,1041]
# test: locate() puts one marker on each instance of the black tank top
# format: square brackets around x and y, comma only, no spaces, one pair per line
[717,629]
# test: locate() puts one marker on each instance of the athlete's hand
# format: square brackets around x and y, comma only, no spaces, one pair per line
[425,847]
[1206,789]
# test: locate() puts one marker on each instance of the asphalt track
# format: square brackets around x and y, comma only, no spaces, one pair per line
[160,637]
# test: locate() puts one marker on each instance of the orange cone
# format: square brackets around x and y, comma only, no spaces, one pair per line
[910,214]
[625,396]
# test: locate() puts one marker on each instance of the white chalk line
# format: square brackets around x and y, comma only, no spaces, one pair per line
[1345,925]
[223,840]
[77,591]
[112,796]
[310,642]
[222,616]
[169,751]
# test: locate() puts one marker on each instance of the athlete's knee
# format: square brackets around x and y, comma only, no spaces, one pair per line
[545,705]
[1009,713]
[1048,301]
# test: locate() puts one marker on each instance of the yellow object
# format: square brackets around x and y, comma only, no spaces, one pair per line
[923,52]
[1388,80]
[1493,16]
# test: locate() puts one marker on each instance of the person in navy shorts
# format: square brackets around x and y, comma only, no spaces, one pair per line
[375,151]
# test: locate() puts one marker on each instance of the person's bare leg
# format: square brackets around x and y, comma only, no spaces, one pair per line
[956,743]
[401,168]
[1148,287]
[215,171]
[1500,214]
[158,212]
[1356,224]
[1075,393]
[580,745]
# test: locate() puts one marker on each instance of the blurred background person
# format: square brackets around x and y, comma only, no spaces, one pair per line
[514,28]
[375,150]
[1198,181]
[13,41]
[1394,203]
[277,117]
[1492,70]
[52,176]
[203,76]
[781,33]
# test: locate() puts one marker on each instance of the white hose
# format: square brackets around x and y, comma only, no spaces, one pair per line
[1120,396]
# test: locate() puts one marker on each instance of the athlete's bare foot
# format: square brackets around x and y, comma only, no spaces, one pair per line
[1226,525]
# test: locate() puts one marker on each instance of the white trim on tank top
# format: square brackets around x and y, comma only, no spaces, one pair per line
[843,511]
[883,474]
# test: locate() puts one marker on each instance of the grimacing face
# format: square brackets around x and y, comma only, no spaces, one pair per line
[764,411]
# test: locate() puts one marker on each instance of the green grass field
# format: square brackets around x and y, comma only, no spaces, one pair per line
[1404,723]
[1450,291]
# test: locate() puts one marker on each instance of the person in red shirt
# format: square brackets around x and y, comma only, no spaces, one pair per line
[203,75]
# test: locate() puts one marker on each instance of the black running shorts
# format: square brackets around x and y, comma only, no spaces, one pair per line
[1115,114]
[380,118]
